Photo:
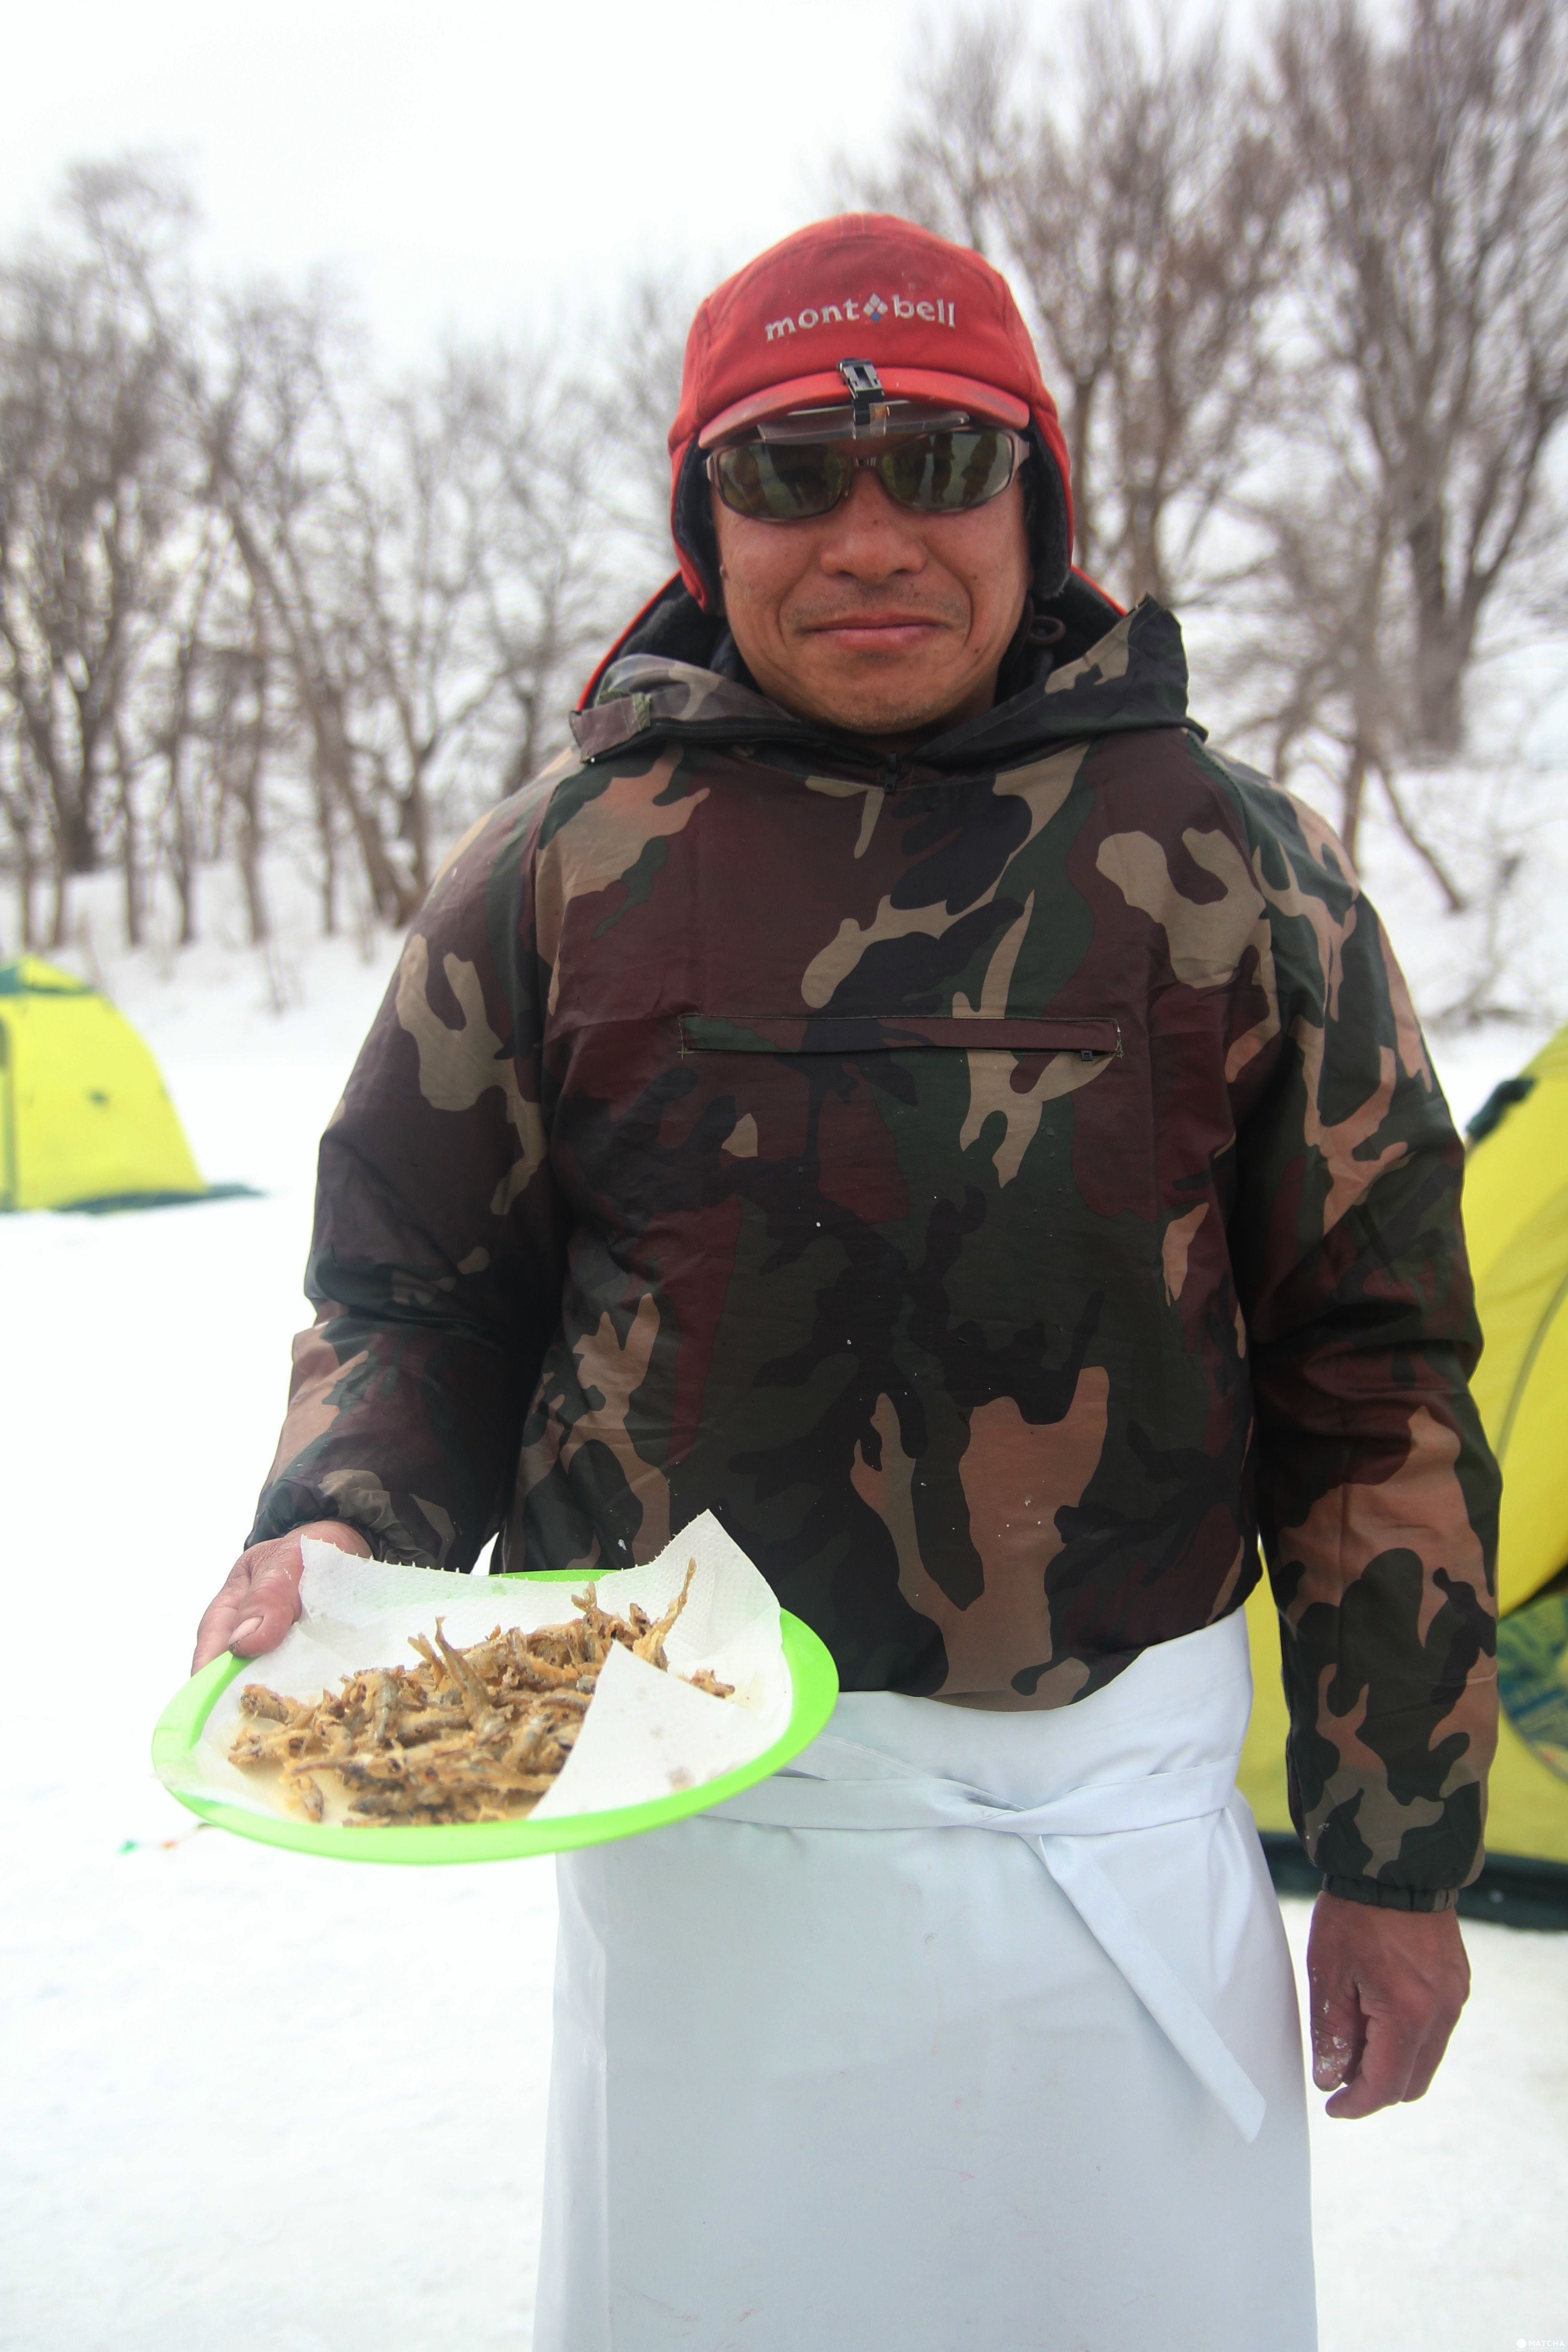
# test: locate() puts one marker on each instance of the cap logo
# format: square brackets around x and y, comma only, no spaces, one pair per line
[938,311]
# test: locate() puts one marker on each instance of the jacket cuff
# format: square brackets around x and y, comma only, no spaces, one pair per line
[1392,1899]
[289,1505]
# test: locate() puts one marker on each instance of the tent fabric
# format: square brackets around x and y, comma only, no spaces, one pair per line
[1516,1223]
[84,1115]
[1516,1226]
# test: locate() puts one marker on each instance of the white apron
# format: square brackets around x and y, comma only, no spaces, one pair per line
[973,2033]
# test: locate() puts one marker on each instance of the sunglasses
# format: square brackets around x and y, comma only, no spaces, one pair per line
[939,472]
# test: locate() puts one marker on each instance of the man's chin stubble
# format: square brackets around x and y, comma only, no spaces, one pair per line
[884,729]
[893,707]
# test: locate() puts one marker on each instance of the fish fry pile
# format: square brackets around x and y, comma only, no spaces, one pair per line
[474,1734]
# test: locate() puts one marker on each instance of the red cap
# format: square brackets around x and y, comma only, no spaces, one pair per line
[936,321]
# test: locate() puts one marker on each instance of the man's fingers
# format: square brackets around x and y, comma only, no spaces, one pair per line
[1428,2058]
[266,1614]
[1381,2079]
[260,1596]
[1388,1987]
[1357,2099]
[219,1619]
[259,1602]
[1339,2029]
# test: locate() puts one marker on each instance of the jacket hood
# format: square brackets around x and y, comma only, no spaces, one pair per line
[1081,667]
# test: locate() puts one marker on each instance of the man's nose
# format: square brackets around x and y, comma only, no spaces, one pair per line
[869,536]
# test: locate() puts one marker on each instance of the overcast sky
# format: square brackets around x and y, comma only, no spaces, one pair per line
[475,163]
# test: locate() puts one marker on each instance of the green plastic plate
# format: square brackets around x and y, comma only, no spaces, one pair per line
[813,1675]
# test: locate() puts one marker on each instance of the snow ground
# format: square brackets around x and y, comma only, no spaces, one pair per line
[261,2105]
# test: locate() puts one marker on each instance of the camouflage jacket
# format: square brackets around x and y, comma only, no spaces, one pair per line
[1002,1183]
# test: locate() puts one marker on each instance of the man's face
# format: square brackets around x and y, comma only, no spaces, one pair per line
[875,618]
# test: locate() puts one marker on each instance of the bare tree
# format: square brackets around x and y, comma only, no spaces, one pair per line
[1138,204]
[243,732]
[91,491]
[554,585]
[23,806]
[271,413]
[406,594]
[960,138]
[423,560]
[1434,171]
[633,398]
[241,583]
[469,575]
[1310,650]
[170,700]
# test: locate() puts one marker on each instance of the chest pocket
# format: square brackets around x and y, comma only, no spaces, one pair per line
[887,1032]
[884,1108]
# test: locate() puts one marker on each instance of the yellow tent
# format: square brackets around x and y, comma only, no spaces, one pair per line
[1516,1223]
[84,1117]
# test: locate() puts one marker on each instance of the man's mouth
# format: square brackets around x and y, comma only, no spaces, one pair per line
[888,633]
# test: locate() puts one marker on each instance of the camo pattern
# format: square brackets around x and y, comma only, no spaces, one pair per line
[1001,1187]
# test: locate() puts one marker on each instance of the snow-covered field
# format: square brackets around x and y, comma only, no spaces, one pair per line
[260,2104]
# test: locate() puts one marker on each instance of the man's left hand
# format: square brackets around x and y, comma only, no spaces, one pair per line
[1386,1990]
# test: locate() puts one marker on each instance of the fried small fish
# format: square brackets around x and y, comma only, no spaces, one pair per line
[468,1735]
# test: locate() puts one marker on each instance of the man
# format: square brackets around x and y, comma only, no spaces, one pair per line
[895,1086]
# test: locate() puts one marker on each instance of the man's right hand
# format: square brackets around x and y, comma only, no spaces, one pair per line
[261,1595]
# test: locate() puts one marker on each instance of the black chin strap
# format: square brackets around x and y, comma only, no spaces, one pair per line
[1029,660]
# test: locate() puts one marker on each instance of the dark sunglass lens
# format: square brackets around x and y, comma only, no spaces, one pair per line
[945,473]
[781,484]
